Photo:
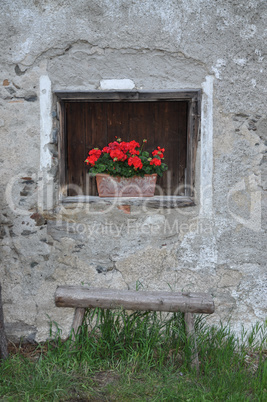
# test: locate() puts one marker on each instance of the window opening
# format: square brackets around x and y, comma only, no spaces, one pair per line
[169,120]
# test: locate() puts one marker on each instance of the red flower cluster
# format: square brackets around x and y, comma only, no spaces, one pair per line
[118,151]
[125,159]
[122,147]
[135,162]
[94,155]
[155,161]
[158,152]
[117,155]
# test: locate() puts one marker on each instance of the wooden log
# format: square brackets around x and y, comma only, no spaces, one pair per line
[85,297]
[77,321]
[191,338]
[3,339]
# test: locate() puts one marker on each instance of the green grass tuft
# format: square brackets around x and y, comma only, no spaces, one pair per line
[142,356]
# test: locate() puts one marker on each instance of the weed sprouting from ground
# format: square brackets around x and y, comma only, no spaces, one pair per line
[118,335]
[139,356]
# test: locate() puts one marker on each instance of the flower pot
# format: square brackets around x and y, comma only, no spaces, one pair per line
[136,186]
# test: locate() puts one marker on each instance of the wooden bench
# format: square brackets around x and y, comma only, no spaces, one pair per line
[82,297]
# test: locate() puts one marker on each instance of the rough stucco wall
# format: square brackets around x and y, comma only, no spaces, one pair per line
[158,45]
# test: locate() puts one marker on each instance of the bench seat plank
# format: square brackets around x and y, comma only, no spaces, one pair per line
[86,297]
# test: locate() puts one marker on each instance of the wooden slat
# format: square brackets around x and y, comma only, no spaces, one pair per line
[159,138]
[95,136]
[172,135]
[189,157]
[101,96]
[85,297]
[75,121]
[62,146]
[117,121]
[182,145]
[196,137]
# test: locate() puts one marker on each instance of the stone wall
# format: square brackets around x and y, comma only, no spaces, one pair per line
[217,246]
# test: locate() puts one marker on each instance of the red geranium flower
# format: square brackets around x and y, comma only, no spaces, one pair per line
[135,161]
[116,153]
[94,155]
[155,161]
[96,152]
[134,144]
[91,160]
[158,152]
[106,150]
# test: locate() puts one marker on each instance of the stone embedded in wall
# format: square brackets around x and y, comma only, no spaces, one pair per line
[228,277]
[39,219]
[118,84]
[19,332]
[30,97]
[18,71]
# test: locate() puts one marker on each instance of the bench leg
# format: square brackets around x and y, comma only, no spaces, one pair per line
[191,337]
[77,321]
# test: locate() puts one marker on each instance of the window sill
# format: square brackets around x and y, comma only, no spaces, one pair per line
[150,202]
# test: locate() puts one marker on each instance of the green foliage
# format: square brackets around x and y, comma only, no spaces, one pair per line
[126,159]
[140,357]
[105,164]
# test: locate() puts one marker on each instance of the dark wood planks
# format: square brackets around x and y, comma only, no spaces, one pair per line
[91,124]
[62,147]
[95,137]
[75,126]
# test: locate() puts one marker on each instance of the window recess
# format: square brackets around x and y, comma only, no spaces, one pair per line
[93,119]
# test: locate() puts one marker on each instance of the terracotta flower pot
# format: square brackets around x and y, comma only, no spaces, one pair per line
[136,186]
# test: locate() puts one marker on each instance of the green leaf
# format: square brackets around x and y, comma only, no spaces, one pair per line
[101,168]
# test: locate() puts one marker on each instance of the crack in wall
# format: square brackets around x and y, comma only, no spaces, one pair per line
[49,53]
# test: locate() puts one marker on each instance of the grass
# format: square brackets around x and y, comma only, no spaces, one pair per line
[139,357]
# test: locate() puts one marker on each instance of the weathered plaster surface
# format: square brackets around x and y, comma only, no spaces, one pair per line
[218,246]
